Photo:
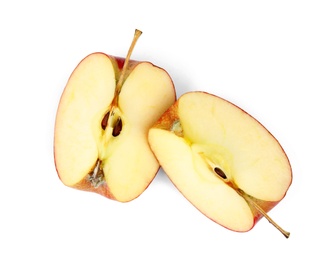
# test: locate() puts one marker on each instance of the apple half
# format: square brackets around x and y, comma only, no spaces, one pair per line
[222,160]
[102,122]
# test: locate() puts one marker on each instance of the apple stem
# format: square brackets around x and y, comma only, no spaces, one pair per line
[262,212]
[124,69]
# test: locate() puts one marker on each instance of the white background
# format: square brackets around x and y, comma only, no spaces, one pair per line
[272,58]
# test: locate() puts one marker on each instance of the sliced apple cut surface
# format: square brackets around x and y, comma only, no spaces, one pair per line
[221,159]
[101,129]
[78,126]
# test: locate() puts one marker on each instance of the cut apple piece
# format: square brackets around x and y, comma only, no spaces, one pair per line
[221,159]
[102,123]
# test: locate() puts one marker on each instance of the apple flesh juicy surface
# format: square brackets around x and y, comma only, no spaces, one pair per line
[100,141]
[221,159]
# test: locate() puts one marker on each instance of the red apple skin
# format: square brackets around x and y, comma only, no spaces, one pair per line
[120,61]
[166,122]
[85,184]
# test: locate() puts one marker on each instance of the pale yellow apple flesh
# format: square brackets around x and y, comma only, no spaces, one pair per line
[100,140]
[221,159]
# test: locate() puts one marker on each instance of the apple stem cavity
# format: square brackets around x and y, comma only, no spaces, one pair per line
[262,212]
